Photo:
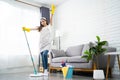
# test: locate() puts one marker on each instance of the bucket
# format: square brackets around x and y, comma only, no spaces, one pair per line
[67,72]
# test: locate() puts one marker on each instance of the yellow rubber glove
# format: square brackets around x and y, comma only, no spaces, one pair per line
[26,29]
[53,9]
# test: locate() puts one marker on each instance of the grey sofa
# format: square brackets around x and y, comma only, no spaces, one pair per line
[72,56]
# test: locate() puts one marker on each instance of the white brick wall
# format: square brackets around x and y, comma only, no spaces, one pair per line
[111,29]
[82,20]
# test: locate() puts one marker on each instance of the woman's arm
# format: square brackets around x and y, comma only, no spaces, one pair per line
[35,28]
[29,29]
[52,13]
[51,19]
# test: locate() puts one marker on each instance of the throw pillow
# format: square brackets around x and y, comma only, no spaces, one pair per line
[58,53]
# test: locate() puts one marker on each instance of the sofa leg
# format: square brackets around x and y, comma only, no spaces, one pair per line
[50,69]
[110,70]
[94,66]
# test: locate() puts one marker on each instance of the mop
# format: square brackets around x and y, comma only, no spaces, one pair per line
[35,74]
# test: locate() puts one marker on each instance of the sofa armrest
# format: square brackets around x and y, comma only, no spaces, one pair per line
[110,49]
[50,57]
[103,58]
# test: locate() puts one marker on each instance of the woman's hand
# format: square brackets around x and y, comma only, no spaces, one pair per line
[53,9]
[26,29]
[52,13]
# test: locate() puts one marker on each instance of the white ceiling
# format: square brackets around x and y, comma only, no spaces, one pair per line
[49,2]
[43,2]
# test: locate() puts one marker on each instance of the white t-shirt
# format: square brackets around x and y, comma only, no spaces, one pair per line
[45,38]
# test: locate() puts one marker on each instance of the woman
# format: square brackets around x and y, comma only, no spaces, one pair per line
[45,40]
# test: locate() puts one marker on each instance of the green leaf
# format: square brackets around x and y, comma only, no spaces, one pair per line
[103,50]
[87,55]
[86,52]
[98,38]
[84,56]
[102,43]
[93,50]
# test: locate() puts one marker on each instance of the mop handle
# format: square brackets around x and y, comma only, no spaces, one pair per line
[35,71]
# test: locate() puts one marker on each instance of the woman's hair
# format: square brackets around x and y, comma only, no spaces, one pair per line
[41,26]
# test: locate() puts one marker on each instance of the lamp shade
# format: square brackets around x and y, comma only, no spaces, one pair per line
[58,33]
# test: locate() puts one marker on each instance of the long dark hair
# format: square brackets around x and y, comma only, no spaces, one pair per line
[41,26]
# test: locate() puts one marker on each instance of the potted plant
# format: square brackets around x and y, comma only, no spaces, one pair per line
[95,51]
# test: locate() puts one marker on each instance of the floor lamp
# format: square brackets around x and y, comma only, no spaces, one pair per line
[58,35]
[59,43]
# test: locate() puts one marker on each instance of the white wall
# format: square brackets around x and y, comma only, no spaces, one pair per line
[81,20]
[75,19]
[13,47]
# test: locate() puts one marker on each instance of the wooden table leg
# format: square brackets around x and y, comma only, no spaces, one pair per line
[118,61]
[108,64]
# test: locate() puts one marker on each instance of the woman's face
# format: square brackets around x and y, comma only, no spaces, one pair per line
[43,22]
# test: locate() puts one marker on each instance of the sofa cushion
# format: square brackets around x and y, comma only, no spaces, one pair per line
[59,59]
[58,53]
[74,50]
[76,59]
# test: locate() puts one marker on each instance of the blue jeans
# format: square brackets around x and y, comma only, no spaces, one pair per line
[44,55]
